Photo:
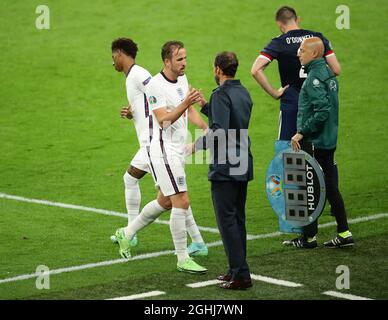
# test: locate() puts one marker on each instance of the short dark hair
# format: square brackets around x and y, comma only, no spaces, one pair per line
[227,62]
[169,47]
[128,46]
[285,14]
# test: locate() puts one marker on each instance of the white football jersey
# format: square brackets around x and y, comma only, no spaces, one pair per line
[162,92]
[137,80]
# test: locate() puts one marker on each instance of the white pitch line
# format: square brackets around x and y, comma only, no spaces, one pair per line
[357,220]
[167,252]
[203,283]
[276,281]
[88,209]
[124,215]
[90,266]
[140,295]
[253,276]
[344,295]
[63,205]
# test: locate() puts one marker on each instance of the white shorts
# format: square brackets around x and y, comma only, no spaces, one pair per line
[142,161]
[170,173]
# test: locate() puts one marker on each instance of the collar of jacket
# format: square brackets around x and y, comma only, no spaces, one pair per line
[314,63]
[228,82]
[231,81]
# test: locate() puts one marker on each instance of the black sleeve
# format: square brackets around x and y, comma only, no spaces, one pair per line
[220,111]
[271,51]
[205,110]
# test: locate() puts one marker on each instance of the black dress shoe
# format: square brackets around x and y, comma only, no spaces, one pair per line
[224,277]
[237,284]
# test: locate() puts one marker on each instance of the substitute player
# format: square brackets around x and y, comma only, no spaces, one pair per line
[124,52]
[171,103]
[284,49]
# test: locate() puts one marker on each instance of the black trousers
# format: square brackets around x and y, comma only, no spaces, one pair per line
[326,160]
[229,199]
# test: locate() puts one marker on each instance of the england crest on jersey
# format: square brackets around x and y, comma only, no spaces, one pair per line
[295,188]
[180,93]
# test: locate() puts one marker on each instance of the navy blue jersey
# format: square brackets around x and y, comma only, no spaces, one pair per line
[284,48]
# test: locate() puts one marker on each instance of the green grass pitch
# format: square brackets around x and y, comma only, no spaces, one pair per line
[62,140]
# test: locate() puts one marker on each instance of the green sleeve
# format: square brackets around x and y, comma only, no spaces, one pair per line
[319,102]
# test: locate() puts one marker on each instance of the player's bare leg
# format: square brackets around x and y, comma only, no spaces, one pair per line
[164,201]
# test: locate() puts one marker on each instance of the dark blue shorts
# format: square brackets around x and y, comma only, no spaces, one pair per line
[287,123]
[288,114]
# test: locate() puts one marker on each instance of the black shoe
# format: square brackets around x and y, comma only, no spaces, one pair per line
[237,284]
[302,242]
[225,277]
[339,242]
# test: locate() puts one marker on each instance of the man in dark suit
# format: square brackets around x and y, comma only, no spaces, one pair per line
[229,111]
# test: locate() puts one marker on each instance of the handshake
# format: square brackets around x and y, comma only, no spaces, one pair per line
[195,96]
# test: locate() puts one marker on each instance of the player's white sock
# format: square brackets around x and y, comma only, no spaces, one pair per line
[192,227]
[150,213]
[179,233]
[132,196]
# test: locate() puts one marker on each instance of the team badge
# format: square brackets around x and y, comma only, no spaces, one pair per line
[180,93]
[316,83]
[332,85]
[181,180]
[152,100]
[295,188]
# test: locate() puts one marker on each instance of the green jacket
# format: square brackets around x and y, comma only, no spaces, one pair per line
[318,106]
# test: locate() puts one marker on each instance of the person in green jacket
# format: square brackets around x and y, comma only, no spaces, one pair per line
[317,122]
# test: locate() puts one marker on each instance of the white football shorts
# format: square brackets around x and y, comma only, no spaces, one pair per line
[170,173]
[142,161]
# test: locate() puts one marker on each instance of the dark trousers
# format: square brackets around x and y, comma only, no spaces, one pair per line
[326,160]
[229,199]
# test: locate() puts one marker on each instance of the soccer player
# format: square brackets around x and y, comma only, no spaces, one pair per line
[284,49]
[171,102]
[124,52]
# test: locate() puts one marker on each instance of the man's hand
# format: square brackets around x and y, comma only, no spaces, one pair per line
[277,94]
[168,117]
[126,112]
[202,101]
[295,141]
[189,149]
[193,96]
